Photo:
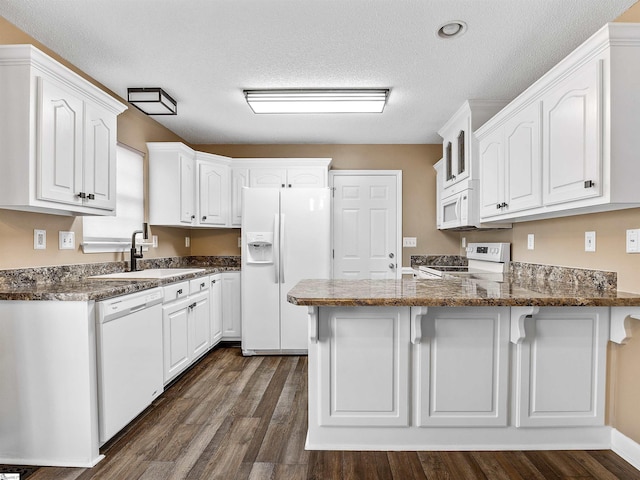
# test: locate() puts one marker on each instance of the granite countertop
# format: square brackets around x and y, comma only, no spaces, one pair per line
[455,292]
[72,282]
[93,289]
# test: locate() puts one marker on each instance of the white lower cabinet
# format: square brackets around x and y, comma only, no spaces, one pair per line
[185,329]
[462,367]
[215,308]
[231,314]
[462,378]
[364,360]
[561,368]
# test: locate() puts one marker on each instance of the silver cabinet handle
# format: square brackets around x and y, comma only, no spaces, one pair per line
[391,266]
[391,255]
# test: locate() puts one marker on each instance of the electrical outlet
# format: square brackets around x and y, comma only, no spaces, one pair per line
[464,242]
[66,241]
[531,241]
[239,242]
[39,239]
[154,239]
[409,242]
[633,237]
[187,241]
[589,241]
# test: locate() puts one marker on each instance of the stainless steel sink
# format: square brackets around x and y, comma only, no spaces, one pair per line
[150,274]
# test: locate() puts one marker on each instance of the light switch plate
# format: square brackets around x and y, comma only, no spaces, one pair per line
[589,241]
[154,240]
[531,243]
[187,241]
[633,237]
[66,240]
[39,239]
[409,242]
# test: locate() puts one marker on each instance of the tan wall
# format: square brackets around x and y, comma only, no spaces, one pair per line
[418,187]
[16,228]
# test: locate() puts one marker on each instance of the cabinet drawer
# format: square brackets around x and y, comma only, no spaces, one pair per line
[175,291]
[198,285]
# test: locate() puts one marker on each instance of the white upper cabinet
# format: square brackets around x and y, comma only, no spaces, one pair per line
[294,174]
[268,178]
[459,148]
[569,141]
[197,189]
[572,136]
[492,169]
[58,134]
[213,190]
[239,179]
[187,194]
[457,185]
[172,181]
[510,165]
[188,188]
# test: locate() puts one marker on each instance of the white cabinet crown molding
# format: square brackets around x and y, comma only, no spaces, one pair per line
[28,55]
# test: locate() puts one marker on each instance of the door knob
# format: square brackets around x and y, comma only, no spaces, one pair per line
[391,265]
[391,255]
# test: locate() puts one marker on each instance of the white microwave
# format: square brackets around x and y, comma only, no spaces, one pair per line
[456,211]
[460,211]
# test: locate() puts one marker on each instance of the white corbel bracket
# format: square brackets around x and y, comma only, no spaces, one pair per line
[416,323]
[620,328]
[312,312]
[518,316]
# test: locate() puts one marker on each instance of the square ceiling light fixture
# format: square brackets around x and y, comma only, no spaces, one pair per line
[152,101]
[317,100]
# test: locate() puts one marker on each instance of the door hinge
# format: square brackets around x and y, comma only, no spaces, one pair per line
[333,192]
[333,253]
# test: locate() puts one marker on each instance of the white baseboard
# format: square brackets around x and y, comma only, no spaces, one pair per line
[625,447]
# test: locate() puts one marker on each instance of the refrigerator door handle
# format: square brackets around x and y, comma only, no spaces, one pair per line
[276,249]
[282,248]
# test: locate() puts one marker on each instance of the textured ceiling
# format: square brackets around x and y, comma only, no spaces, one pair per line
[205,52]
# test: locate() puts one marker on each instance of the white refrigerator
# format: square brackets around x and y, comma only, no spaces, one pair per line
[285,238]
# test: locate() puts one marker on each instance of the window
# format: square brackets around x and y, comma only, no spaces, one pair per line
[113,234]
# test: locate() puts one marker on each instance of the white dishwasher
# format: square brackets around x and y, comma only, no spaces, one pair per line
[129,338]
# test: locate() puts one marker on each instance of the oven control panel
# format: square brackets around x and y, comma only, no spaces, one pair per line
[489,252]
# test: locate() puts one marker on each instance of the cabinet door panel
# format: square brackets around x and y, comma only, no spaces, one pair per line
[239,179]
[187,190]
[268,177]
[213,194]
[561,367]
[200,325]
[572,130]
[523,160]
[310,177]
[491,174]
[100,158]
[215,309]
[462,367]
[231,314]
[60,144]
[364,358]
[175,333]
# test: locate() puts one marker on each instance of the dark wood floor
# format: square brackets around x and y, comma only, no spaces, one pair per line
[232,417]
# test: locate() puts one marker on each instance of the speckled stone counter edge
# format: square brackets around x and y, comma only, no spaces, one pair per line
[598,279]
[57,274]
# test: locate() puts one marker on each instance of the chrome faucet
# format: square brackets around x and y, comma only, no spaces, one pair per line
[134,254]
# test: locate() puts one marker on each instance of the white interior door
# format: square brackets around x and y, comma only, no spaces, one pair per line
[366,224]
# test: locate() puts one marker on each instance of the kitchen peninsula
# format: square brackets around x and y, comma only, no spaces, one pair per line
[450,364]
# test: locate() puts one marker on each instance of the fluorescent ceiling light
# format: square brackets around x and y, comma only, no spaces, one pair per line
[317,101]
[152,101]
